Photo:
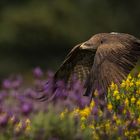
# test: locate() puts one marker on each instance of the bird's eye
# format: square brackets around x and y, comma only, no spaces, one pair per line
[102,42]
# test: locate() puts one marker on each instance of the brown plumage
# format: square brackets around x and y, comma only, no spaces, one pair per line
[104,58]
[115,57]
[77,63]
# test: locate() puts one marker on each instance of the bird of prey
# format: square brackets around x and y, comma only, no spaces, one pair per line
[104,58]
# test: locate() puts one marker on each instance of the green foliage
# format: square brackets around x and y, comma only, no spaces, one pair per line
[49,125]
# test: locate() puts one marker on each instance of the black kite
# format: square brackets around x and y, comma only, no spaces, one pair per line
[104,58]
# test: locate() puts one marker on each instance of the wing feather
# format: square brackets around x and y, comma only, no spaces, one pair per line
[78,62]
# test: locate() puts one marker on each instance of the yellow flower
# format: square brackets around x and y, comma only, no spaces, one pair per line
[92,104]
[28,125]
[109,106]
[139,75]
[138,91]
[133,99]
[126,133]
[126,102]
[27,122]
[95,136]
[91,126]
[131,84]
[85,112]
[123,84]
[28,129]
[128,80]
[138,120]
[138,102]
[113,86]
[107,125]
[116,92]
[127,84]
[100,113]
[134,133]
[83,126]
[118,121]
[62,115]
[75,112]
[119,138]
[118,97]
[114,117]
[18,126]
[129,76]
[124,111]
[96,93]
[11,120]
[83,119]
[138,83]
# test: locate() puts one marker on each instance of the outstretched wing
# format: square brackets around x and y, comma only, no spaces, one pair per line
[113,62]
[77,63]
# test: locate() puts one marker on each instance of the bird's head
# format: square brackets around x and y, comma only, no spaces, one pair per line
[106,40]
[94,42]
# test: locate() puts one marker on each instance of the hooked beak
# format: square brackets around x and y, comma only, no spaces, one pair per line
[88,46]
[85,46]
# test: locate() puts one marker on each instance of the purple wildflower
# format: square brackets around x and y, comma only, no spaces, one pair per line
[38,73]
[3,119]
[26,108]
[7,84]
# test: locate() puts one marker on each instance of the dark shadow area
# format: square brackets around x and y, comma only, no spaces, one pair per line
[40,33]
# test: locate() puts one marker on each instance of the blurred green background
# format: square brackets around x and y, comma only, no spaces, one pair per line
[41,32]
